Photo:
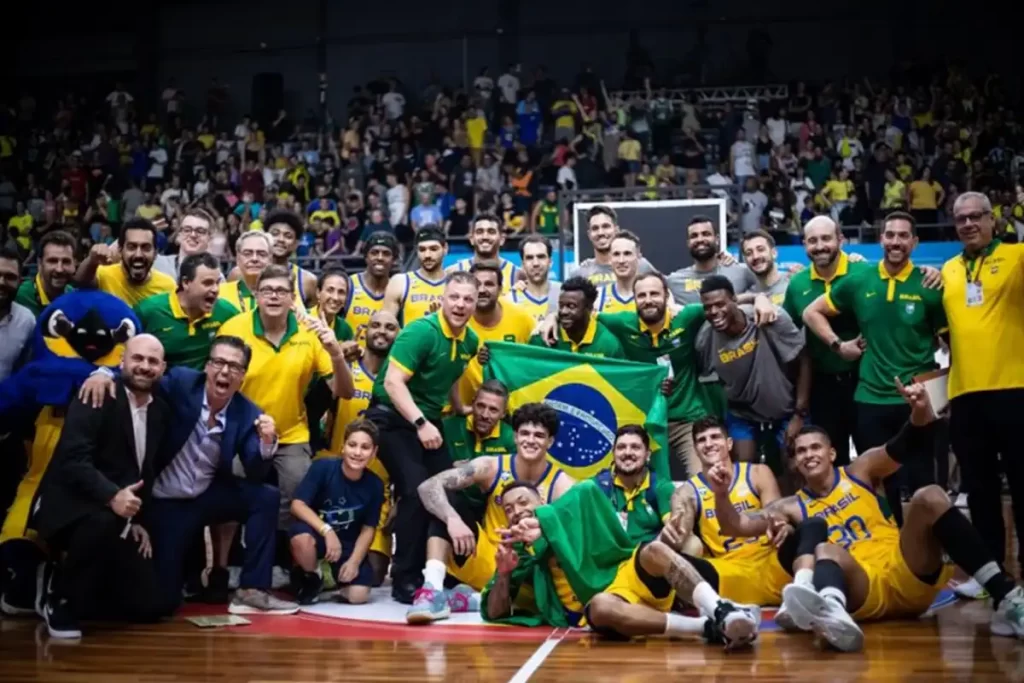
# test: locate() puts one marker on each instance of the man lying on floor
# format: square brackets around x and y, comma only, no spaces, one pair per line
[570,563]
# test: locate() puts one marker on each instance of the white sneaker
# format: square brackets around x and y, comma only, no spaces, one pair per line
[825,617]
[961,501]
[970,590]
[1008,617]
[784,620]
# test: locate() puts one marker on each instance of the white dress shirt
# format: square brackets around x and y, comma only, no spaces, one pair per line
[139,416]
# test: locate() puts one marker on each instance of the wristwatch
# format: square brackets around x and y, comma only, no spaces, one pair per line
[420,421]
[835,345]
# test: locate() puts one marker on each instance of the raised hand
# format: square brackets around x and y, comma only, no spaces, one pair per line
[125,503]
[266,429]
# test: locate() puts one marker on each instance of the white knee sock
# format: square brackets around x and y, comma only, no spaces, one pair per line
[434,573]
[804,577]
[680,625]
[833,593]
[705,598]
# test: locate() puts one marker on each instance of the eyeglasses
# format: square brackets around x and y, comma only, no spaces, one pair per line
[973,217]
[198,232]
[219,364]
[274,292]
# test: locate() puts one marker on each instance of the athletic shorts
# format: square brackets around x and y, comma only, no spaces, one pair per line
[895,592]
[479,567]
[756,580]
[365,575]
[634,585]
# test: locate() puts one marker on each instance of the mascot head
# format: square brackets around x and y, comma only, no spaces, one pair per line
[89,326]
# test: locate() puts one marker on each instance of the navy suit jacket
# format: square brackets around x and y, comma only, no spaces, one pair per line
[183,389]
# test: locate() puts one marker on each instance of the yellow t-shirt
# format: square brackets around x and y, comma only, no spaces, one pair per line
[149,212]
[893,194]
[924,195]
[516,325]
[207,140]
[22,223]
[566,120]
[839,190]
[278,377]
[114,280]
[629,150]
[476,128]
[985,337]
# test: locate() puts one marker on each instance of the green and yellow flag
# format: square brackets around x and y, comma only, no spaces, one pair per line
[593,396]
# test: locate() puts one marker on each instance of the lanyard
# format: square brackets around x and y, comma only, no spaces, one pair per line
[973,279]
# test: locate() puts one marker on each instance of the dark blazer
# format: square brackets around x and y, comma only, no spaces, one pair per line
[95,458]
[183,388]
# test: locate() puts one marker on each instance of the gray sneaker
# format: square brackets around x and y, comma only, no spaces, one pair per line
[252,601]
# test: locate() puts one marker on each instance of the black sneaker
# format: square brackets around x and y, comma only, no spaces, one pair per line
[308,588]
[60,622]
[732,626]
[43,584]
[216,591]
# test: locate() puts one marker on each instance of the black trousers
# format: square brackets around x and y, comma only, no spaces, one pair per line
[409,464]
[834,410]
[876,424]
[103,576]
[984,426]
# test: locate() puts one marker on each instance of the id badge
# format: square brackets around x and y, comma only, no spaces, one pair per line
[624,520]
[975,295]
[666,362]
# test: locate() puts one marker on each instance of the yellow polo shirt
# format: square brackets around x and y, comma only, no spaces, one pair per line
[278,376]
[986,339]
[114,280]
[516,326]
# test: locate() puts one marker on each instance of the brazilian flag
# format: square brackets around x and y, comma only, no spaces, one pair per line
[593,396]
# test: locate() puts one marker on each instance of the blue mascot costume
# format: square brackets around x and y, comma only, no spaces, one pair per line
[77,333]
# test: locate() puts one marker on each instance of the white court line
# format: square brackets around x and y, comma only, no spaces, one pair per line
[537,658]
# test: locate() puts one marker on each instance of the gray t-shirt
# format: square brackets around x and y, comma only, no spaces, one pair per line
[170,264]
[752,366]
[16,330]
[685,283]
[602,273]
[775,292]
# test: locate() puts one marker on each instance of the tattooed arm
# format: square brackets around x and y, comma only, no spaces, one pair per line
[680,523]
[434,495]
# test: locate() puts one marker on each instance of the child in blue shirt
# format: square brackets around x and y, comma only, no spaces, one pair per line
[336,508]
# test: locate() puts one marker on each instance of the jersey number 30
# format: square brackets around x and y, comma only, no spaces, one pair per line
[855,529]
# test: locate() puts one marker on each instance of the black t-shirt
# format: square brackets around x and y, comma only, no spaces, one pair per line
[460,224]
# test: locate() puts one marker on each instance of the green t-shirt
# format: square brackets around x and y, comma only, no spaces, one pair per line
[675,342]
[463,443]
[30,295]
[898,318]
[804,288]
[185,343]
[597,341]
[427,350]
[642,521]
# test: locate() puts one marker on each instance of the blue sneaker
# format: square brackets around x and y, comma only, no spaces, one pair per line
[463,598]
[428,605]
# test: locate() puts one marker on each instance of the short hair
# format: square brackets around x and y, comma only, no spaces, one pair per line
[986,203]
[652,274]
[11,254]
[602,210]
[255,234]
[460,277]
[717,283]
[521,484]
[484,216]
[757,234]
[536,414]
[190,264]
[813,429]
[200,213]
[136,224]
[493,387]
[289,218]
[488,266]
[706,423]
[534,239]
[628,235]
[59,238]
[698,218]
[364,426]
[635,430]
[276,272]
[430,233]
[234,343]
[901,216]
[331,271]
[579,283]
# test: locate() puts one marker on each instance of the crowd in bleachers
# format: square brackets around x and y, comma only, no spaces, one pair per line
[396,159]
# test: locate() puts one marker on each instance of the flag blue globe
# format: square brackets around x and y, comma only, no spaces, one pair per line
[588,425]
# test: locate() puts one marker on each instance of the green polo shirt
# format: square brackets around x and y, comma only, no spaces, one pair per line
[32,296]
[342,330]
[433,357]
[676,342]
[899,318]
[804,288]
[463,443]
[185,343]
[597,341]
[643,523]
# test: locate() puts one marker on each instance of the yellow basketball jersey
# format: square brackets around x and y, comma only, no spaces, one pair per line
[352,409]
[494,515]
[509,271]
[420,294]
[536,308]
[610,301]
[361,306]
[743,497]
[855,518]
